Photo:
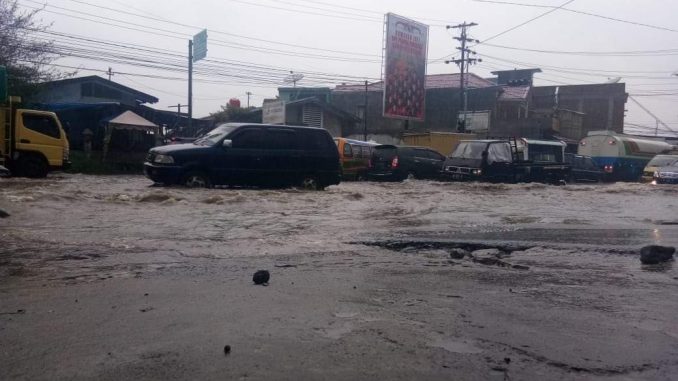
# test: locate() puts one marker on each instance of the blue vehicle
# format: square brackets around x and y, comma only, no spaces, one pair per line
[621,157]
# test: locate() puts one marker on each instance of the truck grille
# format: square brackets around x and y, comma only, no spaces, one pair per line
[454,169]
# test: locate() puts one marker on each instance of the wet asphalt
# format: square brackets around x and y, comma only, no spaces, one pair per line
[107,277]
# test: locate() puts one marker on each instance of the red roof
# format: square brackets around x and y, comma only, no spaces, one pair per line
[433,81]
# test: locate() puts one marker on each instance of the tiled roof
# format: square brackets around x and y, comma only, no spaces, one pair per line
[514,93]
[433,81]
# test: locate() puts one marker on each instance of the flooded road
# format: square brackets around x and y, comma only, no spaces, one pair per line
[107,277]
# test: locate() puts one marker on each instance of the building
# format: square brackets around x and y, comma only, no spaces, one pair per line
[507,105]
[90,89]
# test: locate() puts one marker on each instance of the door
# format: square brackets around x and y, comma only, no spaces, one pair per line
[282,161]
[39,131]
[242,163]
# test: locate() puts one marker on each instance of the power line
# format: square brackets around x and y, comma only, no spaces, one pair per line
[526,22]
[579,12]
[216,31]
[636,53]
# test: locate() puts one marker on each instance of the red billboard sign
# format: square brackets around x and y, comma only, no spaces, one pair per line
[405,71]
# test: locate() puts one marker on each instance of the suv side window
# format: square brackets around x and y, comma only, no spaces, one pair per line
[318,140]
[280,139]
[42,124]
[248,139]
[435,156]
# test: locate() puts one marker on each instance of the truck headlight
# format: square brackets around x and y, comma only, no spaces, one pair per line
[164,159]
[477,172]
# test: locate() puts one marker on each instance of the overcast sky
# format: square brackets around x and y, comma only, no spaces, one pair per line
[253,44]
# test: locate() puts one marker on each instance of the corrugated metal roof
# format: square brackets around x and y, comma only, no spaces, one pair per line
[514,93]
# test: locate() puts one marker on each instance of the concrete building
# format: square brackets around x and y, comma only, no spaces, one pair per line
[510,103]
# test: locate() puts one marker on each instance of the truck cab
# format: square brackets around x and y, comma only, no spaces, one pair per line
[32,142]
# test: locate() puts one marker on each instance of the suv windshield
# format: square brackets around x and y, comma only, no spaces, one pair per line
[469,150]
[213,137]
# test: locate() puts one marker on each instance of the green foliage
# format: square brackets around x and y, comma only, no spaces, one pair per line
[229,113]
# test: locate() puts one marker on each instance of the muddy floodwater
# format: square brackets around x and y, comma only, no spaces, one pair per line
[110,278]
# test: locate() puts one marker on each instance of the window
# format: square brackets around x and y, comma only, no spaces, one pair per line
[435,155]
[348,151]
[357,152]
[281,140]
[247,139]
[43,124]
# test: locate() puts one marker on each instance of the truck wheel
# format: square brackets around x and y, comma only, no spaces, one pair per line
[32,166]
[196,179]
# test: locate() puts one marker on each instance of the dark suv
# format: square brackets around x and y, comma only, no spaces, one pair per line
[396,163]
[249,154]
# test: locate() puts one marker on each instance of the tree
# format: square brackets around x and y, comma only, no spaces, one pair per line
[23,51]
[231,113]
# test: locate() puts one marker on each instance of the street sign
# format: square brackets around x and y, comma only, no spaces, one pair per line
[200,46]
[3,84]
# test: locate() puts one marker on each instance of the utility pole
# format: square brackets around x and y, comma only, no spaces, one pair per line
[463,64]
[248,99]
[190,85]
[110,72]
[365,114]
[178,106]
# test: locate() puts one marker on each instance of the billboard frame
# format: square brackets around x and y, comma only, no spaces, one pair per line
[389,53]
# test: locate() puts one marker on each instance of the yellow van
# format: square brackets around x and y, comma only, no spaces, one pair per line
[355,157]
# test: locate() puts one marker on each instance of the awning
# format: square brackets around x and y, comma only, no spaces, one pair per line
[128,120]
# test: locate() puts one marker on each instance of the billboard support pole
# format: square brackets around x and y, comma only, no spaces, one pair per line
[365,115]
[190,85]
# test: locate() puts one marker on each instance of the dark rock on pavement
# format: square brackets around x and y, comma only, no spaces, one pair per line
[261,277]
[654,254]
[459,253]
[3,214]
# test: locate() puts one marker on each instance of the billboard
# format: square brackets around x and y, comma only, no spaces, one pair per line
[200,46]
[273,111]
[405,69]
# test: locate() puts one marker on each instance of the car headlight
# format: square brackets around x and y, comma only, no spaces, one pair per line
[477,172]
[164,159]
[656,174]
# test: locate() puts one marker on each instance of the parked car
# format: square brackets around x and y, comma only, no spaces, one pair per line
[667,175]
[583,169]
[397,163]
[656,163]
[355,157]
[249,154]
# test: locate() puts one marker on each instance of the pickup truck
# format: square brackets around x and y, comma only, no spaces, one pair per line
[509,161]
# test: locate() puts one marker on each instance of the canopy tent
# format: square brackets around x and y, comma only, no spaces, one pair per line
[129,121]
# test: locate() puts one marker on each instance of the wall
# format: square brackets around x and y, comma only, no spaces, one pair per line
[442,107]
[602,104]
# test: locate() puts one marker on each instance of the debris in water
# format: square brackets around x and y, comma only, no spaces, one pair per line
[459,253]
[654,254]
[156,197]
[355,196]
[521,267]
[216,199]
[18,312]
[284,265]
[261,277]
[3,214]
[227,349]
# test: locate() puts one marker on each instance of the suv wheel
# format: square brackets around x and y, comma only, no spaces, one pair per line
[196,179]
[311,183]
